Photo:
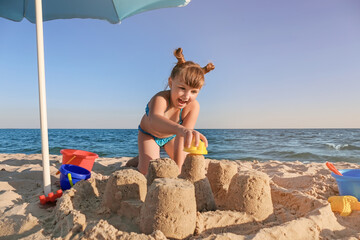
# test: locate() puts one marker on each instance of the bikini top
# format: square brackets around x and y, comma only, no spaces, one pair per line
[147,113]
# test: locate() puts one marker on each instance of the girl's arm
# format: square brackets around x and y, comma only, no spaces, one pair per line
[160,123]
[186,138]
[188,132]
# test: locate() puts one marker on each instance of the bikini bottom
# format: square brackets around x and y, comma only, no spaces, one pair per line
[159,141]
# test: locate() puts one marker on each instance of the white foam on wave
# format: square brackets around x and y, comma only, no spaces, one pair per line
[337,147]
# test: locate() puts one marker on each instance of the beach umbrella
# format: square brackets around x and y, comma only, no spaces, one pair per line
[37,11]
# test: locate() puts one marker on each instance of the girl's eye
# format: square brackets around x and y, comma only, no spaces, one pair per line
[194,92]
[182,88]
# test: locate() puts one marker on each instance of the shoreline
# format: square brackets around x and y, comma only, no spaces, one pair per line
[299,194]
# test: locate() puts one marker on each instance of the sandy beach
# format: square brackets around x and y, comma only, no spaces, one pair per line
[297,206]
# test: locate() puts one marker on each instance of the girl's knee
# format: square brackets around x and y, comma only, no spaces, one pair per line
[142,170]
[143,166]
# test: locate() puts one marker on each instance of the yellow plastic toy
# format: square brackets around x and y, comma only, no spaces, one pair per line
[344,204]
[200,150]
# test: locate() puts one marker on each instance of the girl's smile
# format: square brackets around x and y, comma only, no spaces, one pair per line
[181,102]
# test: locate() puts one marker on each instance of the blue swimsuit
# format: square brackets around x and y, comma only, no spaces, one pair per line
[160,141]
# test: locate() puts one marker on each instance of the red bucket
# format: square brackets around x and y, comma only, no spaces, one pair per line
[79,158]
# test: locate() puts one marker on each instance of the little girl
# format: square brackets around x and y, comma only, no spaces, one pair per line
[170,115]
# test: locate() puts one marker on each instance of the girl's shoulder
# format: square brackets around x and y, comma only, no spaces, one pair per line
[162,96]
[193,106]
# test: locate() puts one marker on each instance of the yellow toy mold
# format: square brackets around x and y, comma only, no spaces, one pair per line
[200,150]
[344,204]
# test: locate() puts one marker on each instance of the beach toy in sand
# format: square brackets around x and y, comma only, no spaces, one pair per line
[344,204]
[79,158]
[348,182]
[200,149]
[51,197]
[333,168]
[71,174]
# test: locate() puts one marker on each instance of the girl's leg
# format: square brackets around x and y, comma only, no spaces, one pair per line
[169,148]
[148,150]
[175,152]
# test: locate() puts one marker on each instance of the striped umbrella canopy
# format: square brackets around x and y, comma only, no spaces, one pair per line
[37,11]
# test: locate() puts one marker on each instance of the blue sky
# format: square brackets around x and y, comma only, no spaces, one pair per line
[279,64]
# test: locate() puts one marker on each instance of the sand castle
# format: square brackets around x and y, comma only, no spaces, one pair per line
[174,203]
[299,196]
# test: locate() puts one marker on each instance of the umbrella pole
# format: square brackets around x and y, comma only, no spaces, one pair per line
[42,97]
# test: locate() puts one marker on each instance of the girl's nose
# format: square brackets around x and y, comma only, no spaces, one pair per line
[187,94]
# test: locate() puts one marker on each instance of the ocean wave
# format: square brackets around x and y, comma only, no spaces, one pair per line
[341,146]
[309,145]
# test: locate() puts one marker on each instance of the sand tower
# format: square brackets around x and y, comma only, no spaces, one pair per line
[193,170]
[220,174]
[250,192]
[125,192]
[162,168]
[170,207]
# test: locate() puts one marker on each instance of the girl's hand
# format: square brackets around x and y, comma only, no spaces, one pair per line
[189,134]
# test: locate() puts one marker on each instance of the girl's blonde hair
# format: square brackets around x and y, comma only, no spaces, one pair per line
[189,72]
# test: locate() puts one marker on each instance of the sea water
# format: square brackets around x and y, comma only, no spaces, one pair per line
[305,145]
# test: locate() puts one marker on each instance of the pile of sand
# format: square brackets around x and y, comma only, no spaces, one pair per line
[254,200]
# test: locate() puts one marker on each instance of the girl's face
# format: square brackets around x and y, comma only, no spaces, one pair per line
[181,94]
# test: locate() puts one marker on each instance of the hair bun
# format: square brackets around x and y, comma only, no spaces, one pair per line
[179,56]
[208,68]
